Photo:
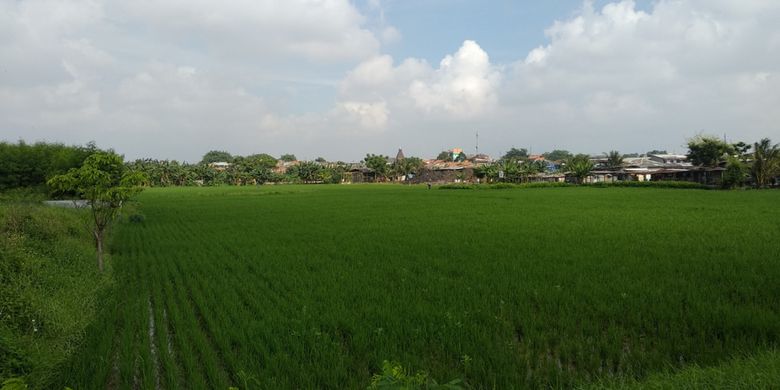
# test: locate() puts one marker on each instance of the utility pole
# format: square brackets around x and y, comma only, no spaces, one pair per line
[477,148]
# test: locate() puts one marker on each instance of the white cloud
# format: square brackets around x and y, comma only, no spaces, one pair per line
[629,78]
[175,78]
[464,84]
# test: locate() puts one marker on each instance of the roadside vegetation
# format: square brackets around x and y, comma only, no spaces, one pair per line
[50,289]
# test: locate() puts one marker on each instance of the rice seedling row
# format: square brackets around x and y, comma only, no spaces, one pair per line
[313,287]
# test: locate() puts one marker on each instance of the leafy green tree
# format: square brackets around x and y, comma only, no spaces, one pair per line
[320,160]
[106,183]
[444,156]
[216,156]
[510,169]
[408,166]
[489,172]
[614,160]
[307,171]
[766,162]
[579,167]
[736,173]
[708,151]
[558,155]
[378,164]
[24,165]
[741,149]
[516,154]
[288,158]
[461,157]
[656,151]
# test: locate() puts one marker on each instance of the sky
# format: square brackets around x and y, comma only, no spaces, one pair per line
[173,79]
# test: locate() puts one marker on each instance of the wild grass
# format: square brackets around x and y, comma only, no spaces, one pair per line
[49,289]
[315,287]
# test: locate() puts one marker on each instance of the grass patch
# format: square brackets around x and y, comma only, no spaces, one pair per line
[48,289]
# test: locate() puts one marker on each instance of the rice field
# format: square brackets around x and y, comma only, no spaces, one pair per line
[315,286]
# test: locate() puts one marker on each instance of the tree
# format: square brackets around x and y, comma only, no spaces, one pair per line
[614,160]
[656,151]
[408,166]
[307,171]
[579,167]
[288,158]
[216,156]
[558,155]
[320,160]
[735,174]
[444,156]
[516,154]
[708,151]
[106,184]
[766,162]
[377,163]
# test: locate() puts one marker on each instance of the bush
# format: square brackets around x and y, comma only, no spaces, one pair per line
[48,284]
[650,184]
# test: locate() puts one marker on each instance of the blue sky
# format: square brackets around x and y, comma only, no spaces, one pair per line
[506,29]
[339,79]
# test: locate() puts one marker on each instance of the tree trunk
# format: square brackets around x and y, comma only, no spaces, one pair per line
[99,247]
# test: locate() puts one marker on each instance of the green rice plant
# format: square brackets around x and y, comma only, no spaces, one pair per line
[316,287]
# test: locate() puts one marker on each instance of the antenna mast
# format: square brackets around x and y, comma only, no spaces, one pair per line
[477,148]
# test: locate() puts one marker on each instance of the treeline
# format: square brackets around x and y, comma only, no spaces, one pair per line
[238,170]
[24,165]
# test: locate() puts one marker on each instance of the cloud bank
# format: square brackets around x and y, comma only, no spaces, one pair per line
[175,79]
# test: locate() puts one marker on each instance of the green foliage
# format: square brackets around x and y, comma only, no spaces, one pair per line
[306,172]
[395,377]
[106,183]
[540,288]
[579,167]
[766,162]
[288,158]
[48,289]
[216,156]
[14,384]
[378,164]
[708,151]
[685,185]
[444,156]
[30,165]
[614,160]
[558,155]
[757,371]
[736,173]
[516,154]
[407,166]
[656,151]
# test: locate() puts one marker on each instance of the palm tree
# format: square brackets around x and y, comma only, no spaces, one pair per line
[580,167]
[614,160]
[766,162]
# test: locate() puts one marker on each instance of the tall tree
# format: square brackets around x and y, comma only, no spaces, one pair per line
[558,155]
[288,157]
[408,166]
[735,174]
[766,162]
[444,156]
[516,154]
[579,167]
[377,163]
[708,151]
[106,183]
[216,156]
[614,160]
